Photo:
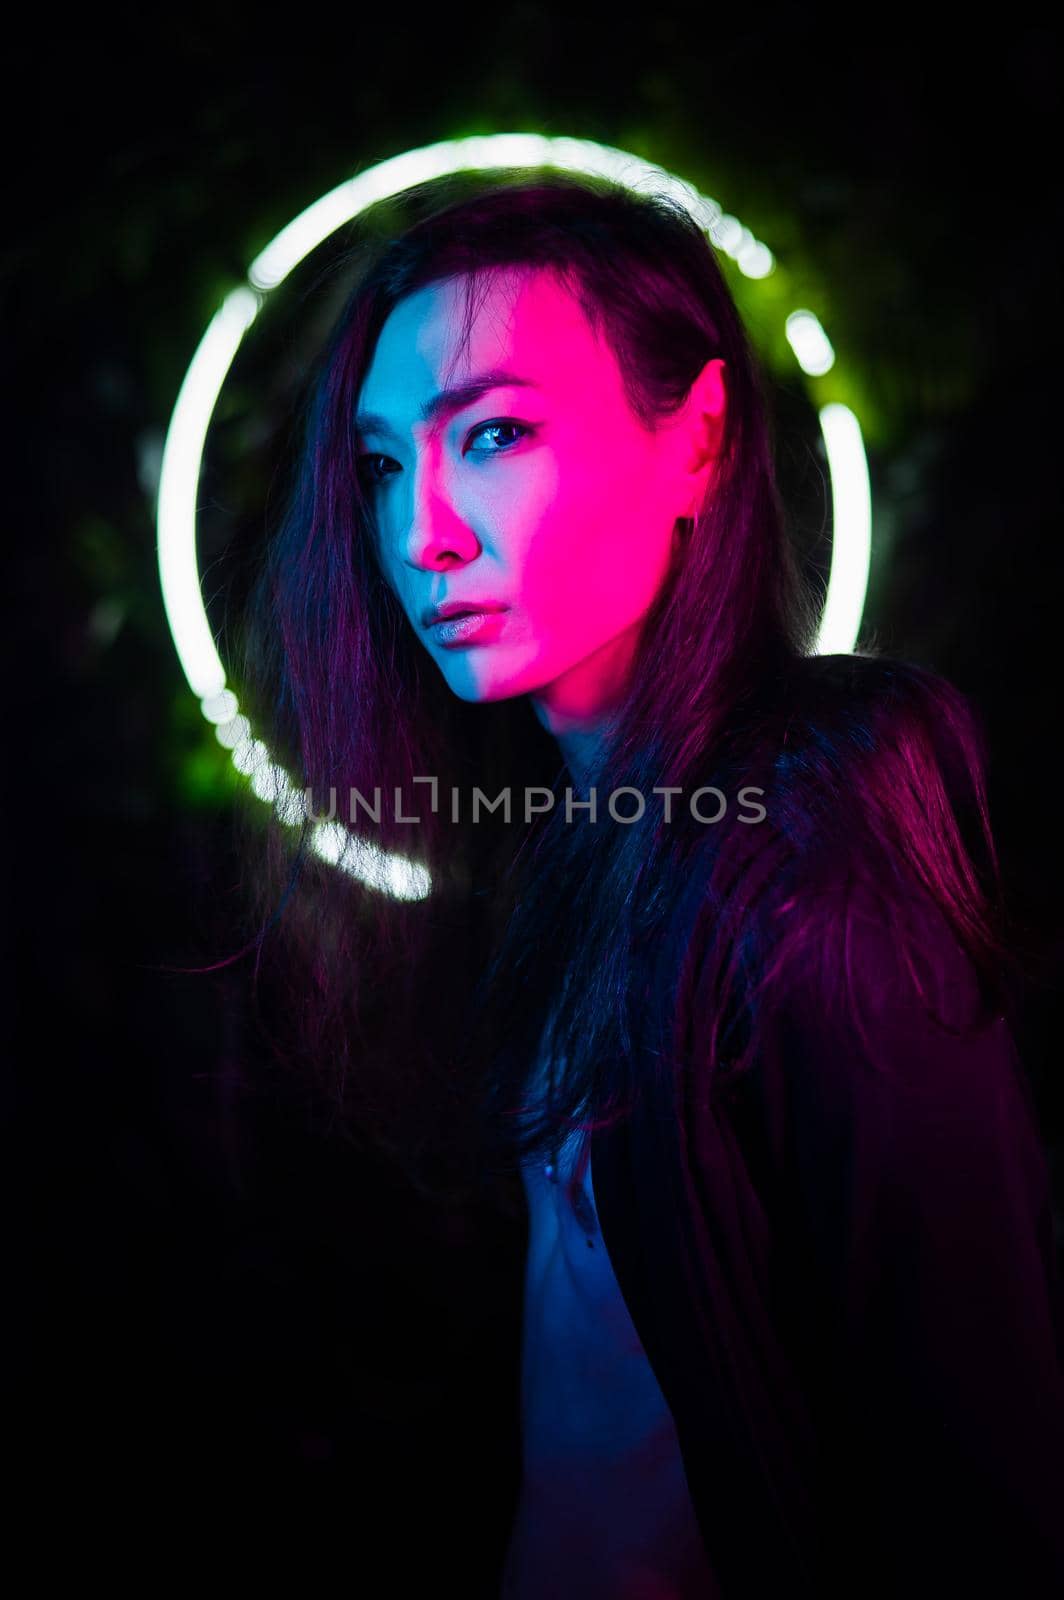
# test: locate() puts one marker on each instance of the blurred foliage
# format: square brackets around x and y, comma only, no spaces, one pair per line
[199,768]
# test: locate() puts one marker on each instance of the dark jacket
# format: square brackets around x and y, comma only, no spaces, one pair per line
[842,1270]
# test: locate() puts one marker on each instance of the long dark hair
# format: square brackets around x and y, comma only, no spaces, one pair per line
[418,1020]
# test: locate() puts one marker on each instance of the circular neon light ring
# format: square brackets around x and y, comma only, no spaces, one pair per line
[187,434]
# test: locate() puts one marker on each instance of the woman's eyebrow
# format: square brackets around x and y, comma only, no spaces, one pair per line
[448,401]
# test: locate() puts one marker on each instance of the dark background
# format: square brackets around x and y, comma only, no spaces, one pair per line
[226,1325]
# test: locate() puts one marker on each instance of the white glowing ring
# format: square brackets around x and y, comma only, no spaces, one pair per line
[183,449]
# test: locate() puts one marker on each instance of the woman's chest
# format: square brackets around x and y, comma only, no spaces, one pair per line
[605,1507]
[581,1345]
[587,1383]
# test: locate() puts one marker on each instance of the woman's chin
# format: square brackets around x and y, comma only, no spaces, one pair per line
[482,690]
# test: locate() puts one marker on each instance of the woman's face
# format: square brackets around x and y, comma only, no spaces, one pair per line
[545,497]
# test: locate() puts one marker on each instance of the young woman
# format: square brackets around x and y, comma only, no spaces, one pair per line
[728,991]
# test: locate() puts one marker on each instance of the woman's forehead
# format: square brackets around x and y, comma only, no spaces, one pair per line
[529,325]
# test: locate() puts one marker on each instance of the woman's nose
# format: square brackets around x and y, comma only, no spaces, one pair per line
[437,533]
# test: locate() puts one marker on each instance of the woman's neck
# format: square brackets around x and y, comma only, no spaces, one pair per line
[578,707]
[579,747]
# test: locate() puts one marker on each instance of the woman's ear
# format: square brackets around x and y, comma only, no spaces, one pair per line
[703,434]
[707,403]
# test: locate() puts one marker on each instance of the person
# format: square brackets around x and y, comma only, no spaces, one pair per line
[730,996]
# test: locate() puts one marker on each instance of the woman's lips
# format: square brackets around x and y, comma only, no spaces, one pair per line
[475,627]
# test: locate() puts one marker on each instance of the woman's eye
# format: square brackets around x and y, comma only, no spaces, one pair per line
[494,427]
[369,468]
[366,464]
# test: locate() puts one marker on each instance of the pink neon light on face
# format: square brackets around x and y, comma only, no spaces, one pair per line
[550,499]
